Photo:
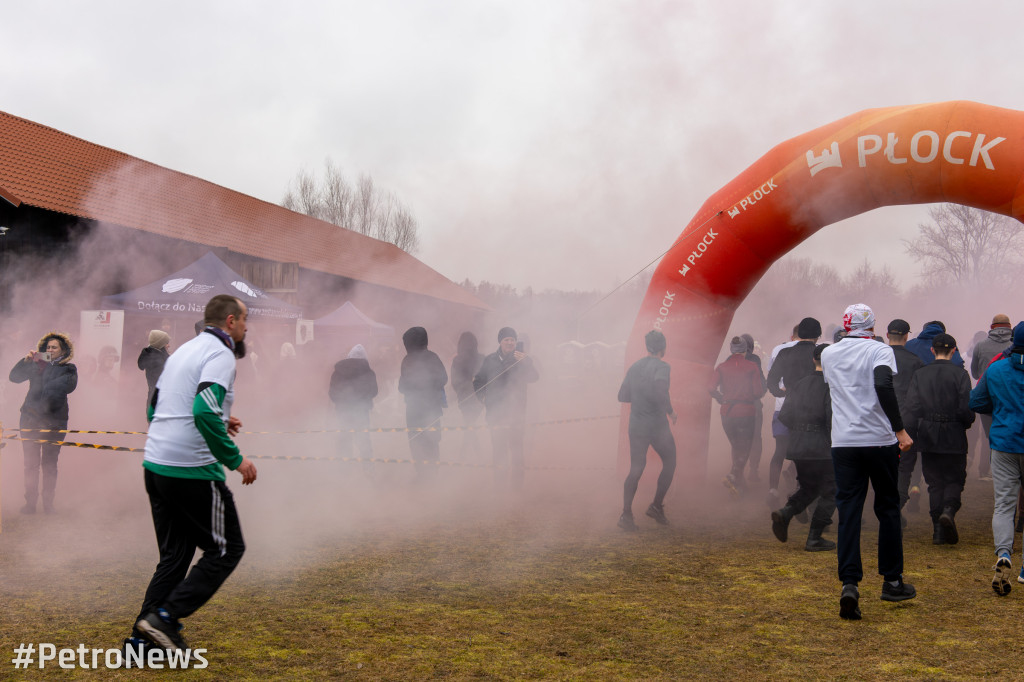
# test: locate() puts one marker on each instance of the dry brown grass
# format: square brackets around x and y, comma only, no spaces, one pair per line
[544,588]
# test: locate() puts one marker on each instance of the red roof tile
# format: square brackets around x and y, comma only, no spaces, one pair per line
[48,169]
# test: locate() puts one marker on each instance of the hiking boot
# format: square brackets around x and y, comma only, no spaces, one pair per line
[816,543]
[913,502]
[162,630]
[657,512]
[626,522]
[938,536]
[849,602]
[949,525]
[780,522]
[730,483]
[1001,580]
[899,592]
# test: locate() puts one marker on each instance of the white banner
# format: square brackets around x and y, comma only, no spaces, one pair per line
[99,342]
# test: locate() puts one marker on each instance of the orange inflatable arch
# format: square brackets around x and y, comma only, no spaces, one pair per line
[958,152]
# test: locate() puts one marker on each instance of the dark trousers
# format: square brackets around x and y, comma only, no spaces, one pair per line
[40,457]
[855,468]
[740,432]
[508,454]
[190,514]
[945,475]
[816,480]
[909,474]
[984,447]
[641,438]
[756,445]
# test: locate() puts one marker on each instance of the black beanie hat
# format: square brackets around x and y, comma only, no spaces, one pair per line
[506,332]
[809,328]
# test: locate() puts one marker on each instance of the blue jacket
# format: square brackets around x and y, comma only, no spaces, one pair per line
[921,346]
[1000,392]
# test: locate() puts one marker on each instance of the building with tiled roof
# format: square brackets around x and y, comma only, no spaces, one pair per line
[55,187]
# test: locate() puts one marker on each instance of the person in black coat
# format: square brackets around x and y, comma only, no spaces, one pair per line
[937,404]
[907,364]
[51,377]
[465,365]
[791,365]
[422,381]
[153,358]
[352,390]
[501,386]
[807,413]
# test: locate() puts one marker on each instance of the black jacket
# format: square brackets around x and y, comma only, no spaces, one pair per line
[152,361]
[501,386]
[807,413]
[49,384]
[791,365]
[907,364]
[937,405]
[353,385]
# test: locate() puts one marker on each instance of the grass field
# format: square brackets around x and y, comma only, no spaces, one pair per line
[346,580]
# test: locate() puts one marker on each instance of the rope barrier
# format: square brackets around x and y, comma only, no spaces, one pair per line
[304,458]
[393,429]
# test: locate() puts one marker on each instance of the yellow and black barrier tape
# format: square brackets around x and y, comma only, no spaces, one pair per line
[383,429]
[304,458]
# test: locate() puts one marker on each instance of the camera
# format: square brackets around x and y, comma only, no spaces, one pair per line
[44,356]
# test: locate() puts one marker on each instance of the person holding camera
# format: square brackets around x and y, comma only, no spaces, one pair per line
[501,387]
[51,377]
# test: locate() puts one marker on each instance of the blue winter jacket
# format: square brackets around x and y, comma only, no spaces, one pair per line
[921,346]
[1000,392]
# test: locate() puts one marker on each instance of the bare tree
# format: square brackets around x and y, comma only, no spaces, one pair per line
[967,246]
[868,284]
[362,207]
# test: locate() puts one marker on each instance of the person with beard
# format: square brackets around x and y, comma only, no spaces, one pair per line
[737,385]
[465,365]
[501,385]
[790,366]
[422,381]
[937,404]
[153,358]
[867,437]
[907,364]
[1000,393]
[757,446]
[51,377]
[999,338]
[807,413]
[188,445]
[646,389]
[352,390]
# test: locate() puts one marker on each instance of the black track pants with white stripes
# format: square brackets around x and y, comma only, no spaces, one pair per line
[190,514]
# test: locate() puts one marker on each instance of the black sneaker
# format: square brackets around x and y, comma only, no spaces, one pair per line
[900,592]
[949,526]
[849,602]
[657,512]
[161,630]
[626,522]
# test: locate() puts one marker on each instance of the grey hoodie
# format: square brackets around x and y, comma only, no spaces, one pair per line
[998,340]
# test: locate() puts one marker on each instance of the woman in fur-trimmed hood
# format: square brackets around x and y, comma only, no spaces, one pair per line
[51,377]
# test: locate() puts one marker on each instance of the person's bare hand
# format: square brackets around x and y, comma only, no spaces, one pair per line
[248,471]
[234,426]
[904,439]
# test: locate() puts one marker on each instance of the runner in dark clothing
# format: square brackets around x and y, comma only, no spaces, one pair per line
[907,363]
[646,389]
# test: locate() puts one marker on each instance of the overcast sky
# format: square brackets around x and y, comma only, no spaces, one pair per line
[558,144]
